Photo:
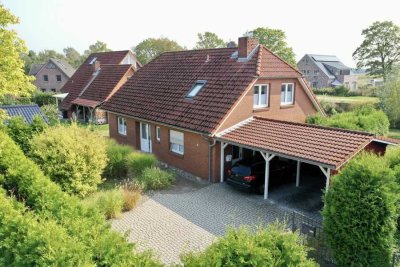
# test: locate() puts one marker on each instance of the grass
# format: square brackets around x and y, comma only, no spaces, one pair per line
[394,133]
[101,129]
[348,99]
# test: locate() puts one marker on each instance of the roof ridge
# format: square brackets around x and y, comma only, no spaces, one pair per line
[198,50]
[316,126]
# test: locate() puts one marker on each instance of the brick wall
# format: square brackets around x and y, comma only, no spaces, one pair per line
[52,82]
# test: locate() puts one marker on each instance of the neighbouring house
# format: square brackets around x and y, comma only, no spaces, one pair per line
[326,71]
[203,110]
[28,112]
[52,75]
[95,81]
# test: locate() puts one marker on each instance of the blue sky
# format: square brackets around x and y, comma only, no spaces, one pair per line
[325,27]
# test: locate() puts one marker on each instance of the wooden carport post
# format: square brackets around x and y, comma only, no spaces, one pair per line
[327,173]
[223,146]
[268,158]
[298,174]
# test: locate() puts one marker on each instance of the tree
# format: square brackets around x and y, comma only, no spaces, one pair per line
[380,50]
[209,40]
[390,97]
[152,47]
[275,40]
[39,58]
[13,80]
[73,57]
[96,48]
[360,212]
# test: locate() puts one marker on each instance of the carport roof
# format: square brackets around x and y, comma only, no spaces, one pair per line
[324,146]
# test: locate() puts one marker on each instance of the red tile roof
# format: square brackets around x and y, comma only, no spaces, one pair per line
[327,146]
[83,74]
[157,92]
[86,103]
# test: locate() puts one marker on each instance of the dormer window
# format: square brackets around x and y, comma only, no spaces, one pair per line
[93,61]
[261,94]
[196,88]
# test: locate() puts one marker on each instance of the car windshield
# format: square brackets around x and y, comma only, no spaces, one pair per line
[241,169]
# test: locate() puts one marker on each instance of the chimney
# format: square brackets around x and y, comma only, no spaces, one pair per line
[96,66]
[246,45]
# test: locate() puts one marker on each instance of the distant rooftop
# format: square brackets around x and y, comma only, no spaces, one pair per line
[28,112]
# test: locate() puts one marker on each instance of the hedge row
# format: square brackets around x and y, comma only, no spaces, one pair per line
[47,200]
[26,240]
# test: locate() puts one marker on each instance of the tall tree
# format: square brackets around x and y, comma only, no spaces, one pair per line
[152,47]
[390,97]
[96,48]
[208,40]
[380,49]
[73,57]
[13,80]
[275,40]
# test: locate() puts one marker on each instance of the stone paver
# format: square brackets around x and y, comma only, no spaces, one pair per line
[170,223]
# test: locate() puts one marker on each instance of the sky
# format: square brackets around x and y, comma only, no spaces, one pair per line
[311,26]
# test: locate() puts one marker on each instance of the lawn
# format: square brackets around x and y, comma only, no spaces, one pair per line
[101,129]
[348,99]
[394,133]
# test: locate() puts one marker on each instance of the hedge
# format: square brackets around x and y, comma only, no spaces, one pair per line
[27,181]
[27,240]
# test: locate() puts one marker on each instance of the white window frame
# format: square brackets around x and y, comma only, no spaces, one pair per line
[196,88]
[259,105]
[158,133]
[177,141]
[121,126]
[285,101]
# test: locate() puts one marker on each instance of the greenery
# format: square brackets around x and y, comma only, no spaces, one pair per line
[360,212]
[13,80]
[394,133]
[110,202]
[71,156]
[271,246]
[51,113]
[154,178]
[46,199]
[364,118]
[390,97]
[137,162]
[209,40]
[131,197]
[380,50]
[97,47]
[43,98]
[150,48]
[275,40]
[117,164]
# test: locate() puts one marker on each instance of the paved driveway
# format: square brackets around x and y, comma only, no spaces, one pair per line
[175,221]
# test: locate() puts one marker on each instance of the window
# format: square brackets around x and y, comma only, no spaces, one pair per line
[261,94]
[53,89]
[287,93]
[45,78]
[316,71]
[158,134]
[58,78]
[43,89]
[196,88]
[122,126]
[93,60]
[314,84]
[176,139]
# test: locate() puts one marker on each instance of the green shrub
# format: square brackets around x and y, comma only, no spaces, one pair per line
[324,91]
[360,212]
[271,246]
[42,98]
[364,118]
[154,178]
[117,167]
[110,202]
[27,240]
[51,112]
[71,156]
[132,195]
[137,162]
[46,199]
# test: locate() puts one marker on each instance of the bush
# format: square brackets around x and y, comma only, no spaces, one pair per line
[51,112]
[110,202]
[131,197]
[42,98]
[137,162]
[154,178]
[364,118]
[27,240]
[272,246]
[117,167]
[324,91]
[360,212]
[24,178]
[71,156]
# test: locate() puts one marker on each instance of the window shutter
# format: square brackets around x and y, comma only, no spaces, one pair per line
[176,137]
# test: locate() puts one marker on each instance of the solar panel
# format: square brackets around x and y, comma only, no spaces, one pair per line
[325,58]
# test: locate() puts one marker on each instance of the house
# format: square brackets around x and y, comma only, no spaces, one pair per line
[52,75]
[95,81]
[28,112]
[203,110]
[326,71]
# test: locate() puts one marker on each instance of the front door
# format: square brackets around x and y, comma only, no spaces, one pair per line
[145,138]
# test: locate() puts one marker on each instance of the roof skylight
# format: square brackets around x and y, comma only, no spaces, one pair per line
[196,88]
[93,60]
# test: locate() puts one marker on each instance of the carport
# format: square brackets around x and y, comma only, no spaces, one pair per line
[328,148]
